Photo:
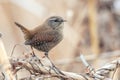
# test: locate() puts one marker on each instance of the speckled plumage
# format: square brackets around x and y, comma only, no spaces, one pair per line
[45,41]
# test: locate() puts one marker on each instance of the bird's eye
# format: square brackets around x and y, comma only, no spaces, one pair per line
[56,20]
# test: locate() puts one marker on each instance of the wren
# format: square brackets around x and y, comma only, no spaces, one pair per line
[46,36]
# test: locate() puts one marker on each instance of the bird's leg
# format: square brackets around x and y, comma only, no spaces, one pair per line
[53,66]
[33,54]
[32,51]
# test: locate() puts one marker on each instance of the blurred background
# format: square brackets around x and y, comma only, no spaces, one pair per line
[92,28]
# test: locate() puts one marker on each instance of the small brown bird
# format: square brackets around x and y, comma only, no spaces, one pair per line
[45,36]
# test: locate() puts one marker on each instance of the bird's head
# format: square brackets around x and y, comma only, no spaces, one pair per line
[55,22]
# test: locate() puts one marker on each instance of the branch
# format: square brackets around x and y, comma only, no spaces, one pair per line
[36,69]
[103,72]
[34,66]
[5,66]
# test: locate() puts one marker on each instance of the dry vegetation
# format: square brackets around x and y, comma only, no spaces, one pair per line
[93,29]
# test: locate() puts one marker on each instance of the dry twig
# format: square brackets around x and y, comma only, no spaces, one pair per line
[6,73]
[33,65]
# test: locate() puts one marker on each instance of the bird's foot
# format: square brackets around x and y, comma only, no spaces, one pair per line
[58,72]
[38,59]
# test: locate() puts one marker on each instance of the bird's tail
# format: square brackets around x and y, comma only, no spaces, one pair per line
[26,32]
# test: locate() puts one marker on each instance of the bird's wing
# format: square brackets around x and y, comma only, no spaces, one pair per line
[42,37]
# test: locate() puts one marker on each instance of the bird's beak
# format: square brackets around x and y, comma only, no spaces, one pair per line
[64,20]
